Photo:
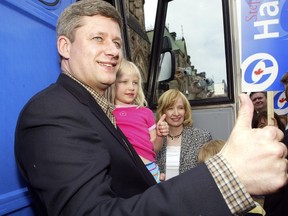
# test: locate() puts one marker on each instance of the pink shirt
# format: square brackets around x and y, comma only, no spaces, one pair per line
[136,124]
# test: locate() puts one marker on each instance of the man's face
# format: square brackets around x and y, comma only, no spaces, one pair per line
[286,90]
[95,54]
[259,101]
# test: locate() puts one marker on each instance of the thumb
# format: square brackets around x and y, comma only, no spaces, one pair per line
[162,118]
[245,113]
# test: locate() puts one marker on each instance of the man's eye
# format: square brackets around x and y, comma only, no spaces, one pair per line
[99,39]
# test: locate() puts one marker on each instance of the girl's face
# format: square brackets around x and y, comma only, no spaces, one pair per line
[127,86]
[175,113]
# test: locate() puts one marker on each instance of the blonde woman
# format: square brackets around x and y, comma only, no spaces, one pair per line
[181,147]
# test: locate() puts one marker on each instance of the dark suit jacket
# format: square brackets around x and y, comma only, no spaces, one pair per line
[76,163]
[276,204]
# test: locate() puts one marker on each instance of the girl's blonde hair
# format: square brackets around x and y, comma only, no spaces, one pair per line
[168,99]
[131,67]
[210,149]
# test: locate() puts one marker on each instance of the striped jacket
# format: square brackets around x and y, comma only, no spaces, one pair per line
[192,140]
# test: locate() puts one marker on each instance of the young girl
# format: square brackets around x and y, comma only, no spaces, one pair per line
[136,120]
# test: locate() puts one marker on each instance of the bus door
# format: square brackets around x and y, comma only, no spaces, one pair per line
[203,37]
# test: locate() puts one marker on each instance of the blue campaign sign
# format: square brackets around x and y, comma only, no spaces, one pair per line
[280,103]
[264,40]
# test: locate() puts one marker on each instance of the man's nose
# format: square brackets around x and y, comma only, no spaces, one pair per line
[112,49]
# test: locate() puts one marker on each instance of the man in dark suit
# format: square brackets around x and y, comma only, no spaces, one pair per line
[276,204]
[77,162]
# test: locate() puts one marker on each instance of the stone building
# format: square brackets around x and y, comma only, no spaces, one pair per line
[139,42]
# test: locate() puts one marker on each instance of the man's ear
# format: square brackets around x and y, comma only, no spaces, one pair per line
[63,45]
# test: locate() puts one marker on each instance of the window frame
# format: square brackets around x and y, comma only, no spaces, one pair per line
[152,84]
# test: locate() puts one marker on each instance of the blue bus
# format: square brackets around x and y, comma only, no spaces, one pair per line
[210,70]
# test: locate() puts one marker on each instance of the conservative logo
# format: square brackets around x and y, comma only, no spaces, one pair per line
[280,103]
[259,72]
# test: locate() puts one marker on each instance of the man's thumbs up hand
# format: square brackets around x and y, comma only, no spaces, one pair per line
[256,155]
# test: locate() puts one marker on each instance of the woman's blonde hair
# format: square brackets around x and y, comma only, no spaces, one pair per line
[131,67]
[210,149]
[168,99]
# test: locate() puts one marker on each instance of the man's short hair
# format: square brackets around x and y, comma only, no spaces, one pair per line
[284,79]
[265,93]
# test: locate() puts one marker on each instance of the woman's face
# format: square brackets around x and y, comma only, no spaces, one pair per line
[175,113]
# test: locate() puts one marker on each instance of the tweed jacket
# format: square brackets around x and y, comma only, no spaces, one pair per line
[192,140]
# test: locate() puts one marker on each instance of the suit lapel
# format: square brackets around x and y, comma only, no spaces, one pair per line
[85,98]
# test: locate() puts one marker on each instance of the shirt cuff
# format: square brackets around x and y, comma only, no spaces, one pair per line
[233,191]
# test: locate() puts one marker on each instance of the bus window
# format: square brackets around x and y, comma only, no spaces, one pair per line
[199,32]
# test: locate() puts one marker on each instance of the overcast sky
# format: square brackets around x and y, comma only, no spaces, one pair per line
[202,29]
